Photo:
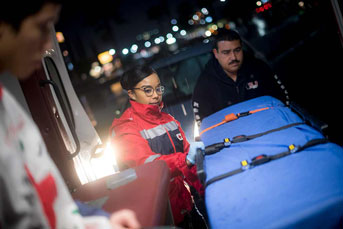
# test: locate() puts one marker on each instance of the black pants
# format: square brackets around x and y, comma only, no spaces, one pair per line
[197,218]
[193,220]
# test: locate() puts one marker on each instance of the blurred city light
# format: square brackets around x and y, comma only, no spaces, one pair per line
[65,53]
[60,37]
[214,27]
[125,51]
[263,7]
[108,69]
[171,40]
[96,70]
[175,28]
[105,57]
[147,44]
[144,53]
[204,11]
[112,51]
[183,32]
[261,26]
[116,88]
[208,33]
[146,36]
[134,48]
[70,66]
[173,21]
[157,40]
[195,17]
[208,19]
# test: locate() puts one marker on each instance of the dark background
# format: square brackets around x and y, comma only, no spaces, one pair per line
[301,43]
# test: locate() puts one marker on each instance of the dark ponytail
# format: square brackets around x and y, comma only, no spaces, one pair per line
[134,75]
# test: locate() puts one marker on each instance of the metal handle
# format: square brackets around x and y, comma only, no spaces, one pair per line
[42,83]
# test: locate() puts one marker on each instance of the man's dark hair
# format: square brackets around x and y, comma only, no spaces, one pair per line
[134,75]
[226,35]
[14,12]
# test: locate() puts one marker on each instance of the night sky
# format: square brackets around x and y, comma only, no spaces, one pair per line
[130,17]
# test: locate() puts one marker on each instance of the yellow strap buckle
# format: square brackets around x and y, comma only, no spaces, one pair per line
[227,141]
[292,148]
[245,164]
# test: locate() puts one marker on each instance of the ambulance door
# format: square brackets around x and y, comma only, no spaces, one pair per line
[71,139]
[337,7]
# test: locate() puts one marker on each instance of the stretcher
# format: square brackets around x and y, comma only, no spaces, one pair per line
[269,169]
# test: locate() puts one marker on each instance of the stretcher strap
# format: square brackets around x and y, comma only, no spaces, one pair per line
[232,116]
[262,159]
[216,147]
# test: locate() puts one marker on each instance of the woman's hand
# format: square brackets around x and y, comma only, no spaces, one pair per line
[124,219]
[193,148]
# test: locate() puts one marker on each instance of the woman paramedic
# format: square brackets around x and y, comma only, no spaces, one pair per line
[144,133]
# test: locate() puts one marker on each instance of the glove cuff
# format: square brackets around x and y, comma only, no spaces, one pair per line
[190,160]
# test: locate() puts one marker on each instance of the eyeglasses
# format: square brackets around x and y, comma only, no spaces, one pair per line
[149,91]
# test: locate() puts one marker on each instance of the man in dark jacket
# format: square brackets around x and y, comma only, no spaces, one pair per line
[227,79]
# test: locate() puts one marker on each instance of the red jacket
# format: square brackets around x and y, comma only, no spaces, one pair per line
[143,134]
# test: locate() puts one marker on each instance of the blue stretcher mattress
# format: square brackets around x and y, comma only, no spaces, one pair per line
[302,190]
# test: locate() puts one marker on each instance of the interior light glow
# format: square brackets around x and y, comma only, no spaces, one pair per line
[196,130]
[105,164]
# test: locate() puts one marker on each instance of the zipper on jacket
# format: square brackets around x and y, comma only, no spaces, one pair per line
[171,140]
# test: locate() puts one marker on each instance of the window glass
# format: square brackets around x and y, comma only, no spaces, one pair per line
[179,79]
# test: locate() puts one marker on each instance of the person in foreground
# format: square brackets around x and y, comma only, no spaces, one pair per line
[232,76]
[144,133]
[32,191]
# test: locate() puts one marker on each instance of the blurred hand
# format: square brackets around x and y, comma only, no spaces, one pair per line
[124,219]
[194,146]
